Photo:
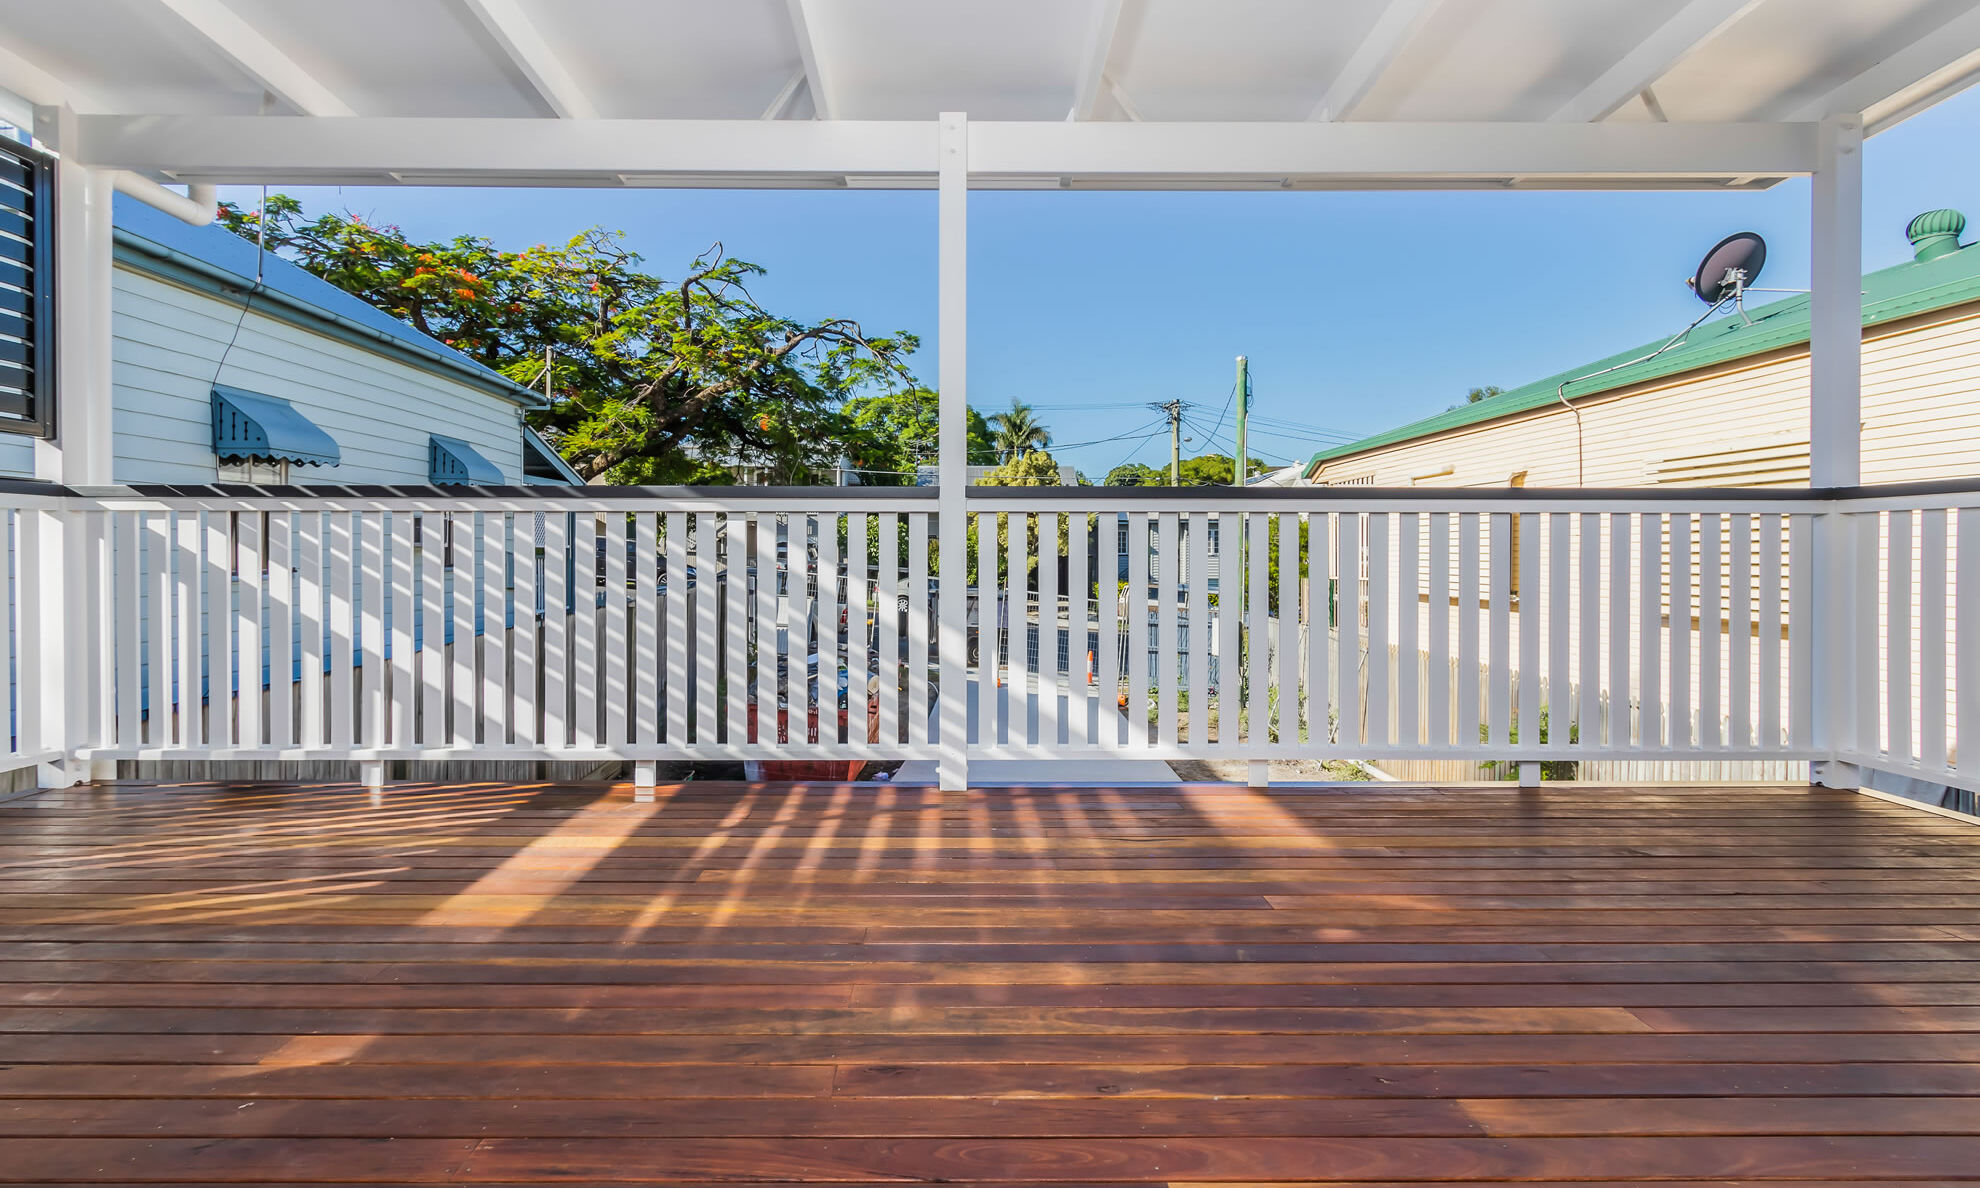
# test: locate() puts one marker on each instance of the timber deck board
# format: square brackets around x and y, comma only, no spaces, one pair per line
[498,984]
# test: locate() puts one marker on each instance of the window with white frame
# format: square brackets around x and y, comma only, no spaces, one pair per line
[260,472]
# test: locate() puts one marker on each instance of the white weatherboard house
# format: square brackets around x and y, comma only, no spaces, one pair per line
[229,364]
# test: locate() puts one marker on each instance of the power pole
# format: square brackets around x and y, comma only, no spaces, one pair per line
[1173,409]
[1240,464]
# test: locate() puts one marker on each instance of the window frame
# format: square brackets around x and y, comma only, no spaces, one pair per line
[38,419]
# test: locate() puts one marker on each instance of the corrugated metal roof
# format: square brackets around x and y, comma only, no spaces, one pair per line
[1891,293]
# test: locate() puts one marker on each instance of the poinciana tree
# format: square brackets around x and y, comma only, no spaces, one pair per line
[653,380]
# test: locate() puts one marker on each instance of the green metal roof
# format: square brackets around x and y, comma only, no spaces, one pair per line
[1910,288]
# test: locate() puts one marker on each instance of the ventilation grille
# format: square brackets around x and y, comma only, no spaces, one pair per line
[1775,464]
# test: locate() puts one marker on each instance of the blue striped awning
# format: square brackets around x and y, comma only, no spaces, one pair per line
[248,426]
[453,462]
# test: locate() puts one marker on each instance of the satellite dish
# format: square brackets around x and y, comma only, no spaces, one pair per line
[1729,268]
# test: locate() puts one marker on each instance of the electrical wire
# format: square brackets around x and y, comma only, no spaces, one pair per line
[1560,393]
[260,262]
[1228,400]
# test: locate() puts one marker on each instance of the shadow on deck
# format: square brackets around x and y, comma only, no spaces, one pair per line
[1156,985]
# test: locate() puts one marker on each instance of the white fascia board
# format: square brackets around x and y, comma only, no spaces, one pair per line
[1162,156]
[500,151]
[743,153]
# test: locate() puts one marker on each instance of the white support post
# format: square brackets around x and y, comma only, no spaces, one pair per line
[67,653]
[80,452]
[1835,415]
[646,774]
[1258,773]
[1529,773]
[371,773]
[952,765]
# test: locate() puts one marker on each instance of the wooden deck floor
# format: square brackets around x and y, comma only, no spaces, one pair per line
[1176,985]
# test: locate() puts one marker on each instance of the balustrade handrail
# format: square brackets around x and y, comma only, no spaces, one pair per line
[1942,493]
[382,621]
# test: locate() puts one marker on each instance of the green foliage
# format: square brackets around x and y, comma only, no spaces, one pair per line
[1550,769]
[1018,431]
[1134,474]
[1204,470]
[890,434]
[1033,468]
[648,374]
[1485,393]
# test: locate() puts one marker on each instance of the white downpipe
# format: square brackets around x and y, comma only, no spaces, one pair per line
[198,205]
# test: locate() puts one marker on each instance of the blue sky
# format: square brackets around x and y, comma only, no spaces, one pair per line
[1358,311]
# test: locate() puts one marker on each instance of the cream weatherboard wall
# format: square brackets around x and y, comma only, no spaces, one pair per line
[1737,424]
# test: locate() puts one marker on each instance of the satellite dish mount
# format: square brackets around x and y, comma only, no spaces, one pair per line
[1729,270]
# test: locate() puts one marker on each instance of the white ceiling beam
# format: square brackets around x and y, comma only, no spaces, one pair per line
[1394,28]
[1093,78]
[1906,82]
[1101,154]
[245,46]
[1651,58]
[523,42]
[814,78]
[1166,155]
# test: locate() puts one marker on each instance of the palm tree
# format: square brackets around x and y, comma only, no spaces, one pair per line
[1018,431]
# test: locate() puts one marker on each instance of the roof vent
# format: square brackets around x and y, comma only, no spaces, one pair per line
[1934,233]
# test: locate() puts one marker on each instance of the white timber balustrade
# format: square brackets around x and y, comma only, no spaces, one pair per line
[640,624]
[652,624]
[1914,658]
[1275,623]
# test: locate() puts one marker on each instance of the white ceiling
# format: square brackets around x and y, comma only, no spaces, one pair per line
[1158,60]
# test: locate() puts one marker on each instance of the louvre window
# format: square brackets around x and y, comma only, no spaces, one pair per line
[27,291]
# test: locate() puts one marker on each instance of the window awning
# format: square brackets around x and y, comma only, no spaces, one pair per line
[453,462]
[248,426]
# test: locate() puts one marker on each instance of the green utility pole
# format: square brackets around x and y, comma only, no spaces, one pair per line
[1238,466]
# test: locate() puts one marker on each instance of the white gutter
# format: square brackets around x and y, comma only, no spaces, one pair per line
[198,205]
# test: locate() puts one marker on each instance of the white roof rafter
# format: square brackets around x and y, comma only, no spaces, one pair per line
[1398,24]
[786,95]
[1691,26]
[814,79]
[1093,77]
[1934,66]
[20,74]
[520,39]
[245,46]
